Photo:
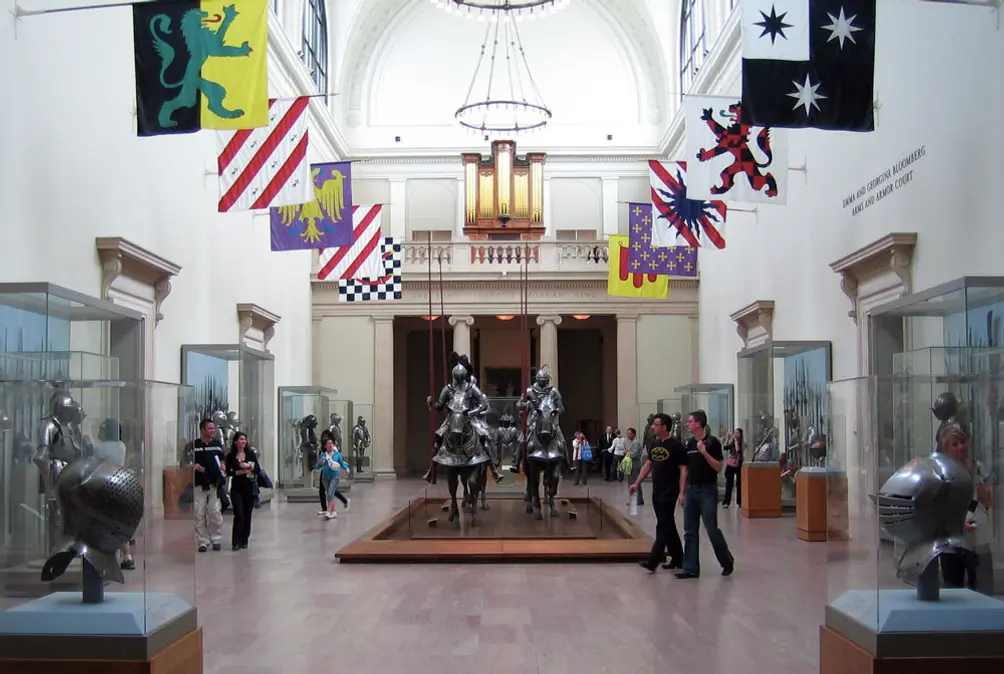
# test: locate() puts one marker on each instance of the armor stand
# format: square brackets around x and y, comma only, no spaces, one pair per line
[93,584]
[929,582]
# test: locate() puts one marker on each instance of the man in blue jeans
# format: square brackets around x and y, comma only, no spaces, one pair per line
[700,503]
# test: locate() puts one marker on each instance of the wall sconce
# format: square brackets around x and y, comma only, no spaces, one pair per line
[429,318]
[505,318]
[580,317]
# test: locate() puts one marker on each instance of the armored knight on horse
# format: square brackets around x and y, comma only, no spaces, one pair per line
[545,443]
[462,440]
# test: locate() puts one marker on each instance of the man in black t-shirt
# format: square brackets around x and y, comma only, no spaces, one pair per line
[667,462]
[700,502]
[206,455]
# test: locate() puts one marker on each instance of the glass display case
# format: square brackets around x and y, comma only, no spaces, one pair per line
[51,333]
[133,424]
[360,446]
[303,409]
[783,405]
[233,385]
[966,312]
[869,441]
[715,399]
[507,434]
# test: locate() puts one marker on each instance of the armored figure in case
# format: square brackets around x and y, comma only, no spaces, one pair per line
[307,430]
[946,410]
[335,429]
[60,443]
[677,430]
[101,506]
[360,442]
[507,438]
[924,504]
[232,428]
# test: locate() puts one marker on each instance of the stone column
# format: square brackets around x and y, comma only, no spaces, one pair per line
[610,210]
[383,397]
[462,335]
[549,344]
[627,371]
[398,208]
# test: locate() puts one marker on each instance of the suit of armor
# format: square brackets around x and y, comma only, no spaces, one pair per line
[360,442]
[59,445]
[531,400]
[335,429]
[507,438]
[307,429]
[232,428]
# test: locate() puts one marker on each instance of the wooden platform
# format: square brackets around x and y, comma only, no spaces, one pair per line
[420,533]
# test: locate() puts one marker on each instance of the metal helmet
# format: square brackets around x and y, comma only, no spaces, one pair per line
[65,408]
[543,377]
[335,418]
[945,406]
[924,504]
[233,419]
[360,421]
[459,373]
[219,417]
[102,503]
[310,421]
[506,419]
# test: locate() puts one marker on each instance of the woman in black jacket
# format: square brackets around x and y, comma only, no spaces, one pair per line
[243,469]
[733,468]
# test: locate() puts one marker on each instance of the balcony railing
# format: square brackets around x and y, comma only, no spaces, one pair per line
[475,256]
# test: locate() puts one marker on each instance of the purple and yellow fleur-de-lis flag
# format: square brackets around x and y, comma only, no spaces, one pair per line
[325,222]
[644,257]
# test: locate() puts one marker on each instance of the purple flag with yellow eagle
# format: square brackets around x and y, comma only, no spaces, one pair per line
[325,222]
[646,258]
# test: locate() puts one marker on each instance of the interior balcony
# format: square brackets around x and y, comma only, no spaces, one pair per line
[472,257]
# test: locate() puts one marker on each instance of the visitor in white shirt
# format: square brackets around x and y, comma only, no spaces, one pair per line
[619,449]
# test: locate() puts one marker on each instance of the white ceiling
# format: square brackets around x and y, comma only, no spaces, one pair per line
[404,66]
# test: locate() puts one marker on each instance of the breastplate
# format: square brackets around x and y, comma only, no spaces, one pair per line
[65,445]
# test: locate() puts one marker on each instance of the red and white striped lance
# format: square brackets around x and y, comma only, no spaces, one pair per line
[267,167]
[361,260]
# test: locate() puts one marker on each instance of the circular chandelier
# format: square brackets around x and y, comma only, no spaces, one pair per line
[511,103]
[482,9]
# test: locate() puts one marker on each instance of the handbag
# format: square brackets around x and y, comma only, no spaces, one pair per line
[263,480]
[586,452]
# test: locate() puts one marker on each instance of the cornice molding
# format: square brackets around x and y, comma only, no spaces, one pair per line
[252,316]
[758,314]
[892,253]
[288,61]
[120,256]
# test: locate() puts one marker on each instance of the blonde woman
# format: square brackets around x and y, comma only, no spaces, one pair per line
[972,566]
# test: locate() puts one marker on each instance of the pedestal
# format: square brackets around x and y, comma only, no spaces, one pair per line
[761,489]
[175,481]
[892,632]
[810,504]
[838,526]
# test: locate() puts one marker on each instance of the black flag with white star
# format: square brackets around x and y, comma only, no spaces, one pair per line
[809,63]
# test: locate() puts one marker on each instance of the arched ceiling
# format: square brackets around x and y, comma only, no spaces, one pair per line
[383,33]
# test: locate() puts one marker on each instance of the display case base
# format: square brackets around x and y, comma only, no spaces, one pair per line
[761,489]
[811,506]
[127,634]
[586,530]
[892,632]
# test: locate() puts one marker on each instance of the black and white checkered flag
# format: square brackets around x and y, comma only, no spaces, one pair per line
[387,287]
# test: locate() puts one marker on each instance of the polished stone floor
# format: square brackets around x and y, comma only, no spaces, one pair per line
[285,605]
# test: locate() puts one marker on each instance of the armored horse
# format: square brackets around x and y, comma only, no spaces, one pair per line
[459,448]
[544,457]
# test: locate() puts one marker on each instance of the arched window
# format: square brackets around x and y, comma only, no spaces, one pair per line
[693,42]
[315,43]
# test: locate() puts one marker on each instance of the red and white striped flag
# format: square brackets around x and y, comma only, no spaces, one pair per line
[266,167]
[361,259]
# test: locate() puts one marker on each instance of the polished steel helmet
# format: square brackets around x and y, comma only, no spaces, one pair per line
[459,373]
[543,376]
[945,406]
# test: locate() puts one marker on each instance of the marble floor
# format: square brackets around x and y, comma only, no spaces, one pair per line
[286,605]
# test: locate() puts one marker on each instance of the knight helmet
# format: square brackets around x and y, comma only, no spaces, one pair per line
[946,406]
[65,408]
[543,377]
[360,422]
[459,373]
[309,421]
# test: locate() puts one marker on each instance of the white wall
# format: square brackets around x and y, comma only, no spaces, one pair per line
[346,353]
[72,169]
[936,91]
[664,356]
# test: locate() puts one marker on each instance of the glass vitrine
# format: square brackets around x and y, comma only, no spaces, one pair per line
[715,399]
[305,412]
[51,333]
[233,386]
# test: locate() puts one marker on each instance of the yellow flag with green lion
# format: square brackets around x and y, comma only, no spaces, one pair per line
[622,281]
[200,65]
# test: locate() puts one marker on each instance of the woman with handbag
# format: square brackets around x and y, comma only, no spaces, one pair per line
[243,469]
[733,468]
[331,464]
[582,456]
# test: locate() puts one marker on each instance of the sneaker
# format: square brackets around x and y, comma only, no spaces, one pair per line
[322,513]
[216,547]
[348,503]
[330,516]
[203,548]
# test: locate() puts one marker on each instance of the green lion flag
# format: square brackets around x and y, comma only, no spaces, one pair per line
[200,65]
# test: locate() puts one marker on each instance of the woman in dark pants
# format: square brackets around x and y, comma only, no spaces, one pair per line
[243,468]
[321,491]
[733,468]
